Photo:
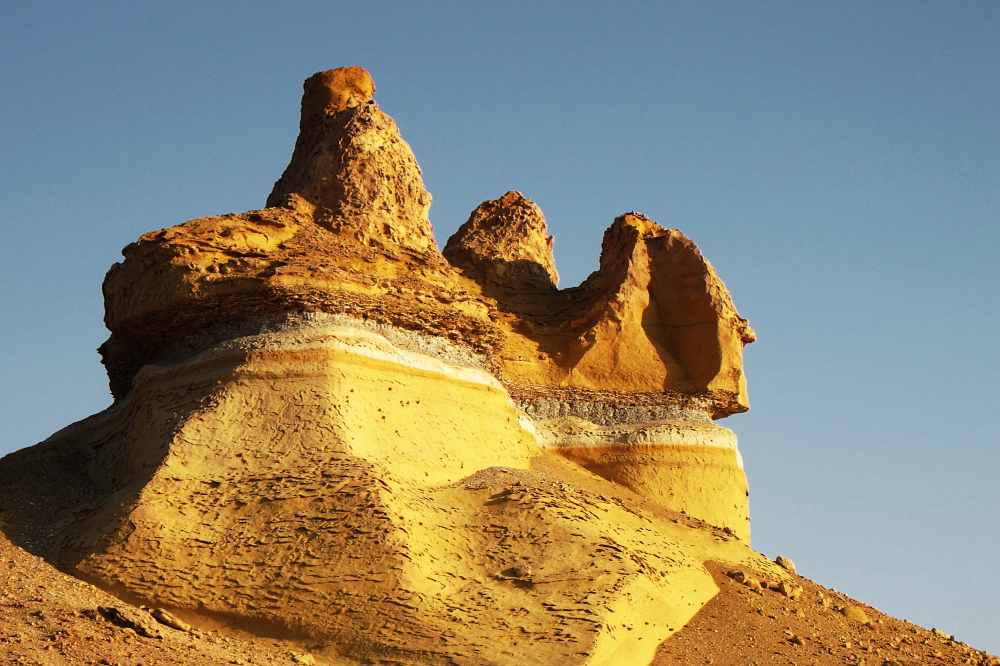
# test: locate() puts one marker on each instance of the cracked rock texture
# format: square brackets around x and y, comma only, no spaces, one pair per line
[505,242]
[328,431]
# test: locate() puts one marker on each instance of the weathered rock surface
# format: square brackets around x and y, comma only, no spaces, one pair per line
[324,482]
[50,619]
[352,166]
[505,242]
[325,428]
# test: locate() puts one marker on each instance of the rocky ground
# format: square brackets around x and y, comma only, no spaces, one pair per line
[747,624]
[50,619]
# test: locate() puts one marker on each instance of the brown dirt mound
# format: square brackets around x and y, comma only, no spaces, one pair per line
[745,626]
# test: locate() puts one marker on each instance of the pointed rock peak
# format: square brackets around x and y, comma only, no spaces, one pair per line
[336,90]
[626,237]
[670,262]
[505,242]
[352,169]
[659,277]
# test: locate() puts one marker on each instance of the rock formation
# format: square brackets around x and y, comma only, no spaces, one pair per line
[505,243]
[325,428]
[352,169]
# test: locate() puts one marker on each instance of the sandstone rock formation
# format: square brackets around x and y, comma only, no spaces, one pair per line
[505,243]
[351,166]
[325,428]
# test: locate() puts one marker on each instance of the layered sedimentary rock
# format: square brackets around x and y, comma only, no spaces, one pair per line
[623,374]
[326,482]
[326,427]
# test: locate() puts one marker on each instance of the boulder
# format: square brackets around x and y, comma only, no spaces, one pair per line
[785,563]
[855,613]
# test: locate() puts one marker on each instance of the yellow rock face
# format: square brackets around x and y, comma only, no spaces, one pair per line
[684,465]
[324,481]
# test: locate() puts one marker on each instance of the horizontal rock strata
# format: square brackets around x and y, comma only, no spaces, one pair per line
[323,481]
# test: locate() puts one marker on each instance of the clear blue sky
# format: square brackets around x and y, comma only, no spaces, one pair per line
[838,162]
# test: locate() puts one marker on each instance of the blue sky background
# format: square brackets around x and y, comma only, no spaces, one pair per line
[838,162]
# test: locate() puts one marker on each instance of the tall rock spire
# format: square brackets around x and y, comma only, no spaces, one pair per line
[351,164]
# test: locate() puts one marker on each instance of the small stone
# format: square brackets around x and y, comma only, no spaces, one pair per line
[856,613]
[170,620]
[521,570]
[744,578]
[738,576]
[798,640]
[303,658]
[130,618]
[785,563]
[789,589]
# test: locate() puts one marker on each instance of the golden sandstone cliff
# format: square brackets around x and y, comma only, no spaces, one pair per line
[324,427]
